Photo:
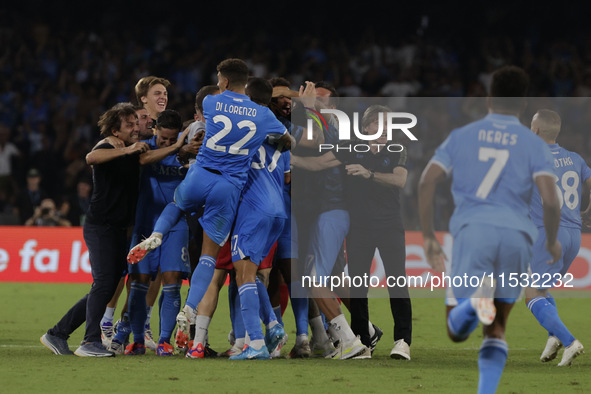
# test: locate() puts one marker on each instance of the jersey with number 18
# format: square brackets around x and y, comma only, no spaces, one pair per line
[571,172]
[493,163]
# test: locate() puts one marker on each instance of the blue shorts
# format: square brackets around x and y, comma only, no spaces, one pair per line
[287,244]
[254,234]
[217,195]
[172,255]
[326,240]
[479,250]
[545,275]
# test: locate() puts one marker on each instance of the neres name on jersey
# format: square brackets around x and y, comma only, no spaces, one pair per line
[497,137]
[236,109]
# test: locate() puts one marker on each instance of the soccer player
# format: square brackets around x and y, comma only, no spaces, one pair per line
[572,173]
[152,93]
[157,184]
[111,212]
[494,163]
[235,129]
[259,220]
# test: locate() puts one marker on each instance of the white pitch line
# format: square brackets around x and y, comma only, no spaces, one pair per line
[23,346]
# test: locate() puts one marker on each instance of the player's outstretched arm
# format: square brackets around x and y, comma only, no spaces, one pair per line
[551,206]
[155,155]
[98,156]
[431,176]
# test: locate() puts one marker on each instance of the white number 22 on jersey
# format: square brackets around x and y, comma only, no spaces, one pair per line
[236,147]
[500,157]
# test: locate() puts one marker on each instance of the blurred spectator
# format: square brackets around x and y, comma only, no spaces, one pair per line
[31,196]
[75,207]
[46,214]
[57,76]
[8,153]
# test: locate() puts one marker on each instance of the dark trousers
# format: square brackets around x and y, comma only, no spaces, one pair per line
[107,250]
[361,245]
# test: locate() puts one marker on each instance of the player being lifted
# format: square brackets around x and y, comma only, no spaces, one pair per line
[235,128]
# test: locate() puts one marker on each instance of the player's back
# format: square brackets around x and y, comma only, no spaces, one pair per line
[265,185]
[493,163]
[235,127]
[571,172]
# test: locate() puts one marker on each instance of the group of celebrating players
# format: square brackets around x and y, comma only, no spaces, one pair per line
[225,197]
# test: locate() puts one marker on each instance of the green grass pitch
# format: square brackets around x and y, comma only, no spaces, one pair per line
[437,366]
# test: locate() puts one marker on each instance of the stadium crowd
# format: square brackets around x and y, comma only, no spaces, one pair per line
[56,79]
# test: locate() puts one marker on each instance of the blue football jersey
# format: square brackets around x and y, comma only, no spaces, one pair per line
[265,184]
[571,172]
[158,182]
[493,163]
[235,128]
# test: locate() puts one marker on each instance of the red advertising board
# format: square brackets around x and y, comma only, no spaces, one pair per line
[59,254]
[43,254]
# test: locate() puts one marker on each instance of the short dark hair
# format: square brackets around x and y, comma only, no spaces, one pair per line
[508,88]
[259,90]
[169,119]
[235,70]
[202,93]
[111,119]
[334,95]
[279,81]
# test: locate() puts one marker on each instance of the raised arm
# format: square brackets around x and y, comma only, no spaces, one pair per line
[155,155]
[98,156]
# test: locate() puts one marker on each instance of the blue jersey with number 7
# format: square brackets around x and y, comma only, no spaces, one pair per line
[493,163]
[235,128]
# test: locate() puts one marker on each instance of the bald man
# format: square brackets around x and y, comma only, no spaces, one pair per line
[572,175]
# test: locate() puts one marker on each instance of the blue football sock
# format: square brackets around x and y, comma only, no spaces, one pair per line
[200,280]
[169,217]
[170,307]
[137,310]
[300,309]
[160,300]
[547,316]
[123,328]
[266,312]
[491,362]
[462,319]
[250,305]
[550,299]
[236,311]
[277,312]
